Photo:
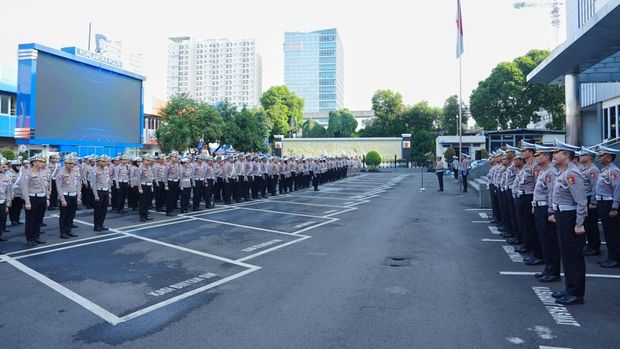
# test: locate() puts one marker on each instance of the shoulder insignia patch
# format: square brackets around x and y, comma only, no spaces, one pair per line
[570,179]
[536,173]
[593,174]
[613,175]
[548,179]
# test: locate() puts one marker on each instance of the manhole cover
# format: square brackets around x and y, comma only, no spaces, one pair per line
[397,261]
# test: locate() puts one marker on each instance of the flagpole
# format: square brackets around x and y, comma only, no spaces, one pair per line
[460,109]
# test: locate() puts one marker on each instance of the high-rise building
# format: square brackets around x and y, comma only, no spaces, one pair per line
[132,61]
[314,68]
[215,70]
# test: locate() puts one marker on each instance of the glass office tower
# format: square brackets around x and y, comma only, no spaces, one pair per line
[314,68]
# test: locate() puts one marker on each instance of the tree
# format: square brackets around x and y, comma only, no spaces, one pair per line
[372,159]
[8,154]
[505,100]
[420,116]
[341,123]
[387,104]
[449,154]
[312,129]
[283,110]
[450,115]
[424,143]
[175,133]
[251,130]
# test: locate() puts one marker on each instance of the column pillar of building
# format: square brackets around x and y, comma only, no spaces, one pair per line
[573,112]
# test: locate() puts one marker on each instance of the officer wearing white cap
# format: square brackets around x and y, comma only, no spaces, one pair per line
[134,183]
[508,179]
[607,201]
[547,232]
[100,181]
[570,203]
[15,174]
[53,168]
[160,193]
[146,179]
[464,170]
[6,195]
[455,166]
[122,175]
[186,183]
[172,175]
[590,176]
[525,195]
[504,218]
[198,174]
[68,185]
[36,197]
[210,178]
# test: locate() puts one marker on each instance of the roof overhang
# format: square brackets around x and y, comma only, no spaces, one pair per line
[593,51]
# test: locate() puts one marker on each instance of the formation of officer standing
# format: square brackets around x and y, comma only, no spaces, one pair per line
[547,202]
[173,182]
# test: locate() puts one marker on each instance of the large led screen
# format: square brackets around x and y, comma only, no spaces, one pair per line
[83,103]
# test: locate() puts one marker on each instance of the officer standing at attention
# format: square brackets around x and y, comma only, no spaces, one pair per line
[145,190]
[113,163]
[101,182]
[570,204]
[526,196]
[464,170]
[455,167]
[172,174]
[68,185]
[15,208]
[6,195]
[199,183]
[547,232]
[186,183]
[590,176]
[607,201]
[160,193]
[36,197]
[210,180]
[53,167]
[439,172]
[122,184]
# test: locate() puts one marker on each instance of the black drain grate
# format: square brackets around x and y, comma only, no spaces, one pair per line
[397,261]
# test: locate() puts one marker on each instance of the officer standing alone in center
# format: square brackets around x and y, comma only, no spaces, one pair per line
[439,172]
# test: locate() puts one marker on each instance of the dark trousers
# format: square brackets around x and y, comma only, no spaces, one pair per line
[289,182]
[101,207]
[493,192]
[282,184]
[87,195]
[208,193]
[273,185]
[315,181]
[235,184]
[593,235]
[611,229]
[160,196]
[67,214]
[256,186]
[456,173]
[114,198]
[34,216]
[548,236]
[133,197]
[528,223]
[247,186]
[511,210]
[145,200]
[197,194]
[3,215]
[229,185]
[184,198]
[54,195]
[571,249]
[123,191]
[218,188]
[240,189]
[464,178]
[266,181]
[440,179]
[171,196]
[16,210]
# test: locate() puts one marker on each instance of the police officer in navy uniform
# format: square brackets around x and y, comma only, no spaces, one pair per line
[570,205]
[607,201]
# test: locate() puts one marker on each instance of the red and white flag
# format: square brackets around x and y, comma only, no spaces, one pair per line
[460,46]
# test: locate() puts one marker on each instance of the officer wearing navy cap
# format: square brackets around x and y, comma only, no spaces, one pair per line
[607,201]
[590,176]
[570,205]
[541,207]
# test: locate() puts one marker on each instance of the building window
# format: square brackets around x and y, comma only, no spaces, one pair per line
[5,104]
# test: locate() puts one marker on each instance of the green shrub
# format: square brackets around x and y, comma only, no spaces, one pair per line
[373,159]
[448,154]
[8,154]
[484,154]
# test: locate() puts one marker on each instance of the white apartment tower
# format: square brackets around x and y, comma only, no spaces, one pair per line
[215,70]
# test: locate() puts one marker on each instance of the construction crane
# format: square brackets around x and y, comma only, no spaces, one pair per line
[555,15]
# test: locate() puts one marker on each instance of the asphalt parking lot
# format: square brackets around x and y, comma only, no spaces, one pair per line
[367,262]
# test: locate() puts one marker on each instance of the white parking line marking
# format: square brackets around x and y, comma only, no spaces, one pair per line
[298,226]
[477,209]
[527,273]
[85,303]
[514,256]
[558,312]
[316,226]
[493,240]
[260,246]
[279,212]
[341,212]
[246,258]
[60,244]
[486,222]
[547,347]
[330,211]
[69,247]
[244,226]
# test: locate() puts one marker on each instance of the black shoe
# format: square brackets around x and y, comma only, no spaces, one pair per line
[104,228]
[74,226]
[43,225]
[97,229]
[142,219]
[32,243]
[569,300]
[41,232]
[320,190]
[514,241]
[507,236]
[592,252]
[610,264]
[39,241]
[603,261]
[170,214]
[121,212]
[540,275]
[6,231]
[64,236]
[502,229]
[521,249]
[559,294]
[72,235]
[493,221]
[3,239]
[149,218]
[550,278]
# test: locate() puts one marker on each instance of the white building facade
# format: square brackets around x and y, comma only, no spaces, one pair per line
[215,70]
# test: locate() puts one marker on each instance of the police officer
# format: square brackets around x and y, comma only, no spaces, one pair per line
[160,193]
[507,183]
[464,170]
[186,183]
[210,181]
[122,176]
[570,205]
[100,182]
[145,189]
[172,175]
[53,167]
[17,203]
[526,193]
[541,207]
[68,185]
[36,197]
[199,182]
[455,166]
[607,201]
[134,183]
[590,176]
[439,172]
[113,163]
[6,195]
